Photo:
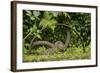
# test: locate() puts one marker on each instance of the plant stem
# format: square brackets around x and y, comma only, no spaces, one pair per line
[27,36]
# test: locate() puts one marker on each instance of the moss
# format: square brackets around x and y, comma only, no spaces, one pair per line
[68,54]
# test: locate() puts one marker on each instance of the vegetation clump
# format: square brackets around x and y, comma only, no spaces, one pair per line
[54,36]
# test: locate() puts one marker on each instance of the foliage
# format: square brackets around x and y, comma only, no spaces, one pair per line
[70,54]
[42,25]
[48,21]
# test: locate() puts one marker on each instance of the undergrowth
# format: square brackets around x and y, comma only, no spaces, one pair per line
[68,54]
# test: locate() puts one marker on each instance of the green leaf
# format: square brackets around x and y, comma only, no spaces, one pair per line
[36,13]
[48,23]
[47,15]
[39,31]
[34,29]
[28,13]
[25,50]
[32,18]
[55,14]
[38,36]
[66,14]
